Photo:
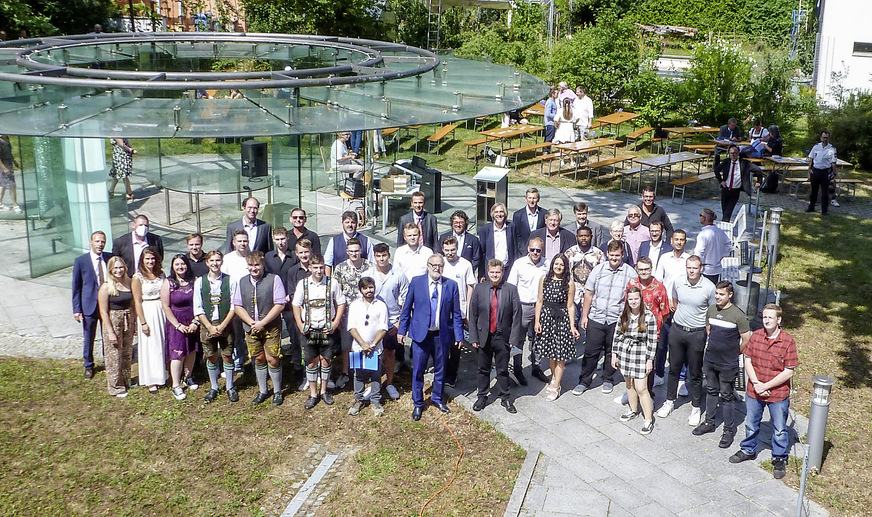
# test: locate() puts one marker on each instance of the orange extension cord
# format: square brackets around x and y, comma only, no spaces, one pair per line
[456,465]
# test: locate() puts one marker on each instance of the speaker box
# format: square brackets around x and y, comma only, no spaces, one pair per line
[254,162]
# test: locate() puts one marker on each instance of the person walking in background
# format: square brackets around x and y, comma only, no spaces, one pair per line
[118,320]
[122,166]
[7,174]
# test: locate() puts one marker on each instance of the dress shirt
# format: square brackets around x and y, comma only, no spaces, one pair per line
[525,276]
[98,264]
[634,237]
[367,319]
[438,284]
[609,288]
[734,178]
[712,244]
[532,219]
[670,268]
[583,111]
[552,246]
[460,272]
[251,230]
[138,246]
[654,254]
[412,262]
[392,289]
[501,244]
[235,266]
[329,253]
[822,157]
[214,289]
[550,111]
[278,294]
[460,239]
[317,293]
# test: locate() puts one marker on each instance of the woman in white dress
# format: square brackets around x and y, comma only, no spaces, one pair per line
[564,124]
[146,285]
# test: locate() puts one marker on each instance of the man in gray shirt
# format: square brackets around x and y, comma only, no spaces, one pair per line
[604,295]
[690,300]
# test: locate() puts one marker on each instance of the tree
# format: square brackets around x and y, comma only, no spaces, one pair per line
[49,17]
[349,18]
[718,83]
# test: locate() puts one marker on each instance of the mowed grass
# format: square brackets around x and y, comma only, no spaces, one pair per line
[825,276]
[68,448]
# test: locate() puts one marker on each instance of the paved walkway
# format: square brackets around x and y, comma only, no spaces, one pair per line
[590,462]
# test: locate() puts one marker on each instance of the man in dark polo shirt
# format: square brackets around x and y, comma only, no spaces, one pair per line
[728,332]
[196,257]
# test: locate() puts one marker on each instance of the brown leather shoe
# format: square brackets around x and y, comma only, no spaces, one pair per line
[89,373]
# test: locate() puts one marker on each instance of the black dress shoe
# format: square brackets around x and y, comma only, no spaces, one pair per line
[479,404]
[522,380]
[539,374]
[278,399]
[233,395]
[442,407]
[89,373]
[260,398]
[212,395]
[416,413]
[327,398]
[310,402]
[509,406]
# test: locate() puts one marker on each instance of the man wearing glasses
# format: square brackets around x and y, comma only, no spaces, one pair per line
[525,275]
[635,233]
[299,231]
[431,317]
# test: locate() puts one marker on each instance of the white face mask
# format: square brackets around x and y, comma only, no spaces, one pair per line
[141,230]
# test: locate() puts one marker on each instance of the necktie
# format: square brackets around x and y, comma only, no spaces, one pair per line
[434,305]
[493,312]
[100,277]
[420,221]
[732,172]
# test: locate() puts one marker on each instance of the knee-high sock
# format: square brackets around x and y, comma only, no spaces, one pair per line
[276,375]
[312,373]
[214,372]
[260,371]
[228,374]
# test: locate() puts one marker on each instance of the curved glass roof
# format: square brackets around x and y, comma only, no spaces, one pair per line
[152,85]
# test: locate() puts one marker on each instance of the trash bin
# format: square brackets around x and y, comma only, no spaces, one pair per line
[747,299]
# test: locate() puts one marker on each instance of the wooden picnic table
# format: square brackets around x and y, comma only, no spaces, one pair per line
[686,134]
[664,162]
[507,133]
[616,119]
[536,109]
[587,147]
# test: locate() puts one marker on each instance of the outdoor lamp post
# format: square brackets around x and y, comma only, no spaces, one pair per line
[817,419]
[772,251]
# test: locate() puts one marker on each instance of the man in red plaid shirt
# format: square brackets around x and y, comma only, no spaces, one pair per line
[770,359]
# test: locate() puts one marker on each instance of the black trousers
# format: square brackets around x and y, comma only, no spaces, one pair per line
[720,388]
[599,341]
[493,350]
[820,180]
[729,200]
[686,347]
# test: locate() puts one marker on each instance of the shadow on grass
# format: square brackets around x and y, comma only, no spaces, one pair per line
[823,275]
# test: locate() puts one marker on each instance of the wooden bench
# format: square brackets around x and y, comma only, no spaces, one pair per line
[794,184]
[594,167]
[848,186]
[548,157]
[682,184]
[701,148]
[637,134]
[473,144]
[515,151]
[629,174]
[439,135]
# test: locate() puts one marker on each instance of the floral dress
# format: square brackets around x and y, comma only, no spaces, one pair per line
[555,341]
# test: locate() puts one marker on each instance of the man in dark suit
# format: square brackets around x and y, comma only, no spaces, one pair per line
[497,238]
[259,232]
[527,220]
[734,175]
[729,131]
[130,245]
[657,246]
[89,272]
[424,221]
[494,328]
[431,317]
[555,240]
[580,210]
[468,245]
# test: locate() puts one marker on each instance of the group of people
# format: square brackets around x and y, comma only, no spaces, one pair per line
[568,114]
[630,297]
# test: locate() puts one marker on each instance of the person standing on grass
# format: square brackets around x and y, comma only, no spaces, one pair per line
[348,275]
[729,332]
[118,321]
[213,310]
[391,287]
[821,170]
[635,344]
[550,113]
[368,324]
[318,305]
[303,251]
[258,300]
[770,359]
[182,330]
[89,273]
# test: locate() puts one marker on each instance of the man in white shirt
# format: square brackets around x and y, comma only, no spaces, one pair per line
[368,324]
[497,238]
[657,246]
[672,267]
[582,108]
[259,231]
[712,244]
[460,270]
[235,266]
[821,169]
[342,160]
[411,258]
[525,275]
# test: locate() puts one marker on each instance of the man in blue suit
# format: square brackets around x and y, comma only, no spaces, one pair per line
[657,246]
[527,220]
[89,272]
[497,239]
[431,317]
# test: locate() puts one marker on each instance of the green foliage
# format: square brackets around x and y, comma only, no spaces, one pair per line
[408,19]
[519,44]
[850,127]
[49,17]
[655,98]
[350,18]
[717,86]
[604,59]
[771,96]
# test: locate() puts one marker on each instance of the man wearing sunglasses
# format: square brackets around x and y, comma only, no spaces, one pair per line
[525,275]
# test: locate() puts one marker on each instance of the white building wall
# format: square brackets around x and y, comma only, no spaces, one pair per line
[844,23]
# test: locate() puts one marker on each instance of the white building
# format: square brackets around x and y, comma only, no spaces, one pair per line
[844,45]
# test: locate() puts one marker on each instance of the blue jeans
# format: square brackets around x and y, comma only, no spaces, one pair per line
[753,416]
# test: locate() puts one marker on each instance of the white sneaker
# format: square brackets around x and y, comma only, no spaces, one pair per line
[666,409]
[658,380]
[682,389]
[695,417]
[179,393]
[121,395]
[3,207]
[834,202]
[17,209]
[622,400]
[367,393]
[304,385]
[392,392]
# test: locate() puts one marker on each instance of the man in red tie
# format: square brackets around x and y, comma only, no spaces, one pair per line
[734,175]
[494,328]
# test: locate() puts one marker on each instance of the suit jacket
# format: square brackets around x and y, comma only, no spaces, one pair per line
[567,239]
[486,238]
[522,228]
[628,255]
[123,247]
[722,172]
[263,242]
[471,249]
[273,264]
[508,314]
[646,247]
[429,230]
[596,233]
[415,315]
[85,284]
[725,132]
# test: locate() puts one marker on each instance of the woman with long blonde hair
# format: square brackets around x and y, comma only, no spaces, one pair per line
[115,300]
